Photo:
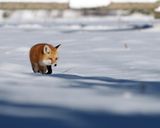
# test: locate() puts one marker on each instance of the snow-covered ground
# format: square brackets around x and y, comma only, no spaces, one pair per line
[108,74]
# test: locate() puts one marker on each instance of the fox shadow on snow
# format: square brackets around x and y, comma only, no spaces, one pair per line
[26,115]
[62,117]
[142,87]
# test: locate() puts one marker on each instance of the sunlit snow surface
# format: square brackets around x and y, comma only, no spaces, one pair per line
[108,75]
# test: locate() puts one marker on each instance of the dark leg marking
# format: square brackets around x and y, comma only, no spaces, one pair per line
[49,68]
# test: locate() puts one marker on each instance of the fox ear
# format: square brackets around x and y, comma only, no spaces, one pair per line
[46,49]
[58,46]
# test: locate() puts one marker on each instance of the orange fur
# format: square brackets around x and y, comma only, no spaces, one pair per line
[42,56]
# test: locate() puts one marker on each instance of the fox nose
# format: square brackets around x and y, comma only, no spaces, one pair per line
[53,61]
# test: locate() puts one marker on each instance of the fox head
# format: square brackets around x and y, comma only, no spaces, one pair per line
[49,55]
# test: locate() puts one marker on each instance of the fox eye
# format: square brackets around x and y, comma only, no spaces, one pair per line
[56,58]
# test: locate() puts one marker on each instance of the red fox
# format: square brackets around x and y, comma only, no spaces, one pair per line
[42,56]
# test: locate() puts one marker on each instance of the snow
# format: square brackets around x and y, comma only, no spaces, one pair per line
[107,74]
[88,3]
[157,9]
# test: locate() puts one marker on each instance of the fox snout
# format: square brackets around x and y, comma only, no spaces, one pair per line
[53,60]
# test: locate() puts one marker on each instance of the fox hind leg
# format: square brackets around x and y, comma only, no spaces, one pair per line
[35,67]
[41,69]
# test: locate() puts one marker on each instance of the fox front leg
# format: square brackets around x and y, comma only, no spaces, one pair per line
[49,68]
